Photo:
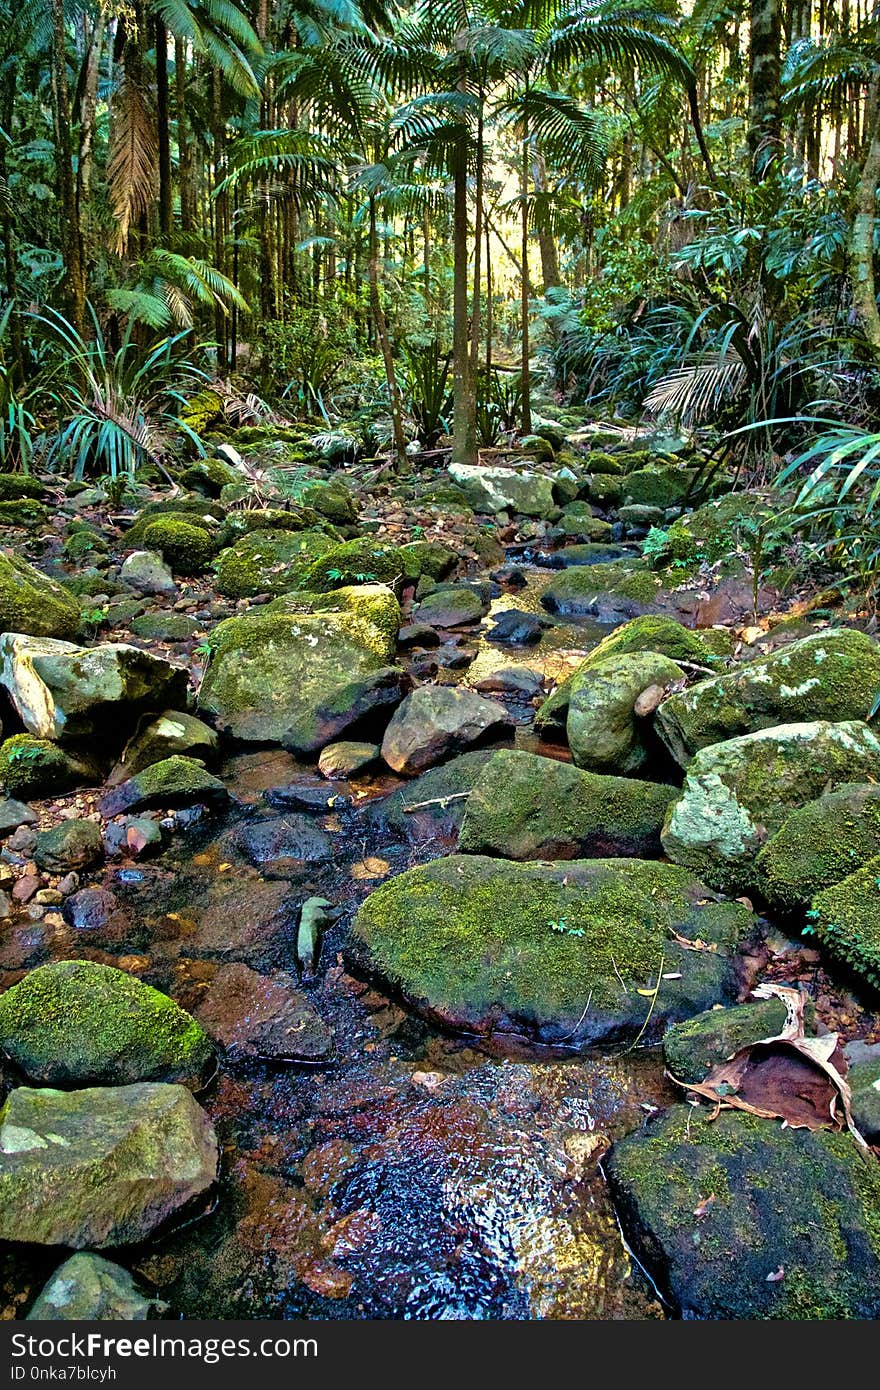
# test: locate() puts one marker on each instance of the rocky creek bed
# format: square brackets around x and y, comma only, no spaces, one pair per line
[370,862]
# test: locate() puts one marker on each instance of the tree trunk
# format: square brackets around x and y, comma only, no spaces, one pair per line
[464,404]
[526,422]
[71,239]
[765,73]
[163,131]
[864,289]
[220,202]
[184,153]
[478,243]
[381,324]
[546,239]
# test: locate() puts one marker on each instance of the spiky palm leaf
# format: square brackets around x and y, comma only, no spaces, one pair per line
[696,393]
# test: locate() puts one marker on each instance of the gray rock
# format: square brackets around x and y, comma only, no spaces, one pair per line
[146,572]
[504,489]
[346,759]
[171,732]
[604,732]
[74,844]
[88,1288]
[437,721]
[13,814]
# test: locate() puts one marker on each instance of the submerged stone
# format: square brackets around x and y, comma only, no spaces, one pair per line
[88,1288]
[255,1016]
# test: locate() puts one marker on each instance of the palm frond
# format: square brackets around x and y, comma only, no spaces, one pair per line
[132,163]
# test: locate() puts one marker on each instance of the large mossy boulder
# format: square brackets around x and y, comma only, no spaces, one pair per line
[437,721]
[36,767]
[30,602]
[527,807]
[736,1217]
[613,592]
[432,806]
[103,1166]
[821,843]
[269,562]
[62,691]
[662,485]
[504,490]
[332,500]
[715,530]
[78,1023]
[692,1048]
[174,781]
[846,919]
[361,561]
[300,679]
[605,731]
[173,732]
[375,607]
[830,675]
[187,547]
[737,794]
[557,952]
[88,1288]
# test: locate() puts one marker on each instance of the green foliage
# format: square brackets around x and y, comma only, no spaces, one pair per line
[426,390]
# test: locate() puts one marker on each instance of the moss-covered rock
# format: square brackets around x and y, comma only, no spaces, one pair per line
[243,522]
[78,1023]
[102,1166]
[209,477]
[374,605]
[429,558]
[605,490]
[172,732]
[800,1202]
[88,1288]
[437,721]
[830,675]
[198,511]
[553,951]
[658,486]
[604,731]
[864,1080]
[692,1048]
[737,794]
[269,562]
[74,844]
[819,844]
[84,543]
[188,548]
[30,602]
[711,532]
[301,679]
[36,767]
[432,806]
[846,919]
[493,490]
[175,781]
[451,606]
[361,561]
[332,500]
[23,513]
[619,590]
[165,627]
[527,807]
[14,486]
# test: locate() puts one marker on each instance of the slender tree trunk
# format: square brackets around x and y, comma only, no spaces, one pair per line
[464,424]
[426,261]
[7,223]
[864,288]
[163,131]
[765,75]
[71,238]
[546,239]
[184,149]
[526,422]
[385,344]
[478,243]
[489,306]
[220,202]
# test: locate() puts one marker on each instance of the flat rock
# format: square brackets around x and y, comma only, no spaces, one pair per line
[283,845]
[175,781]
[347,758]
[103,1166]
[504,489]
[455,606]
[254,1016]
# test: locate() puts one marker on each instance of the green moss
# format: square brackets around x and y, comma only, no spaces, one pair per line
[693,1047]
[33,767]
[209,477]
[198,511]
[241,523]
[32,603]
[269,562]
[846,919]
[431,558]
[663,486]
[585,588]
[361,561]
[331,500]
[820,844]
[15,486]
[605,490]
[374,605]
[188,548]
[24,512]
[712,531]
[83,542]
[600,462]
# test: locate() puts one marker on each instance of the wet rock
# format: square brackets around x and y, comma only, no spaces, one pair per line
[831,675]
[13,814]
[269,562]
[236,918]
[74,844]
[300,680]
[36,767]
[552,951]
[821,843]
[435,722]
[736,1217]
[147,573]
[432,805]
[32,603]
[504,489]
[282,846]
[165,627]
[737,794]
[611,592]
[455,606]
[520,629]
[254,1016]
[62,691]
[78,1023]
[171,732]
[846,919]
[175,781]
[659,486]
[514,681]
[692,1048]
[604,731]
[89,1288]
[98,912]
[593,554]
[418,635]
[527,807]
[347,759]
[132,836]
[102,1166]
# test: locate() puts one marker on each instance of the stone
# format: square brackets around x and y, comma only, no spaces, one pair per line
[518,628]
[331,500]
[830,675]
[165,627]
[555,952]
[517,682]
[819,844]
[88,1288]
[455,606]
[504,489]
[184,544]
[692,1048]
[437,721]
[74,844]
[298,679]
[346,759]
[175,781]
[864,1080]
[432,806]
[147,573]
[269,562]
[737,794]
[846,919]
[663,486]
[604,731]
[62,691]
[103,1166]
[252,1015]
[36,767]
[13,814]
[528,807]
[611,592]
[79,1023]
[282,846]
[32,603]
[132,837]
[787,1223]
[172,732]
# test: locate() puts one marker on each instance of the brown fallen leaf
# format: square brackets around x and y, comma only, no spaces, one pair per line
[371,867]
[702,1207]
[697,945]
[775,1277]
